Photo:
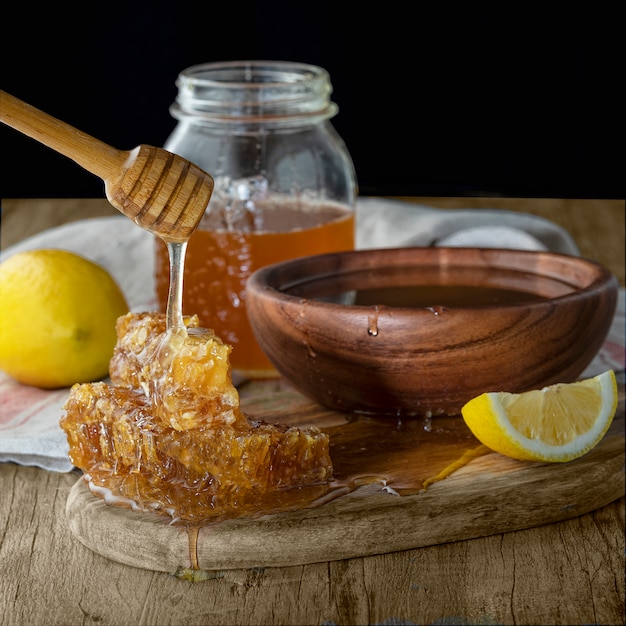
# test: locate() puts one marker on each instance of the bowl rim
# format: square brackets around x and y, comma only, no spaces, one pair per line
[262,280]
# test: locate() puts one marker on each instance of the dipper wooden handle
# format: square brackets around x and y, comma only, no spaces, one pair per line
[158,190]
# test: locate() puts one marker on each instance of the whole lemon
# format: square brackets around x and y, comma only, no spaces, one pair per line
[58,312]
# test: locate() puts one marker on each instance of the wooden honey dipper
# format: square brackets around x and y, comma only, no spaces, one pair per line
[160,191]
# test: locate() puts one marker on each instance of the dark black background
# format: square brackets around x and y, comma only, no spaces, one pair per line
[435,98]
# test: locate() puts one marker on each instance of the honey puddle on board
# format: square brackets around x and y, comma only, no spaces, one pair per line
[402,456]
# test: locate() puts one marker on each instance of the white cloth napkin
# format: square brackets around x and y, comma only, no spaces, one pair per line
[383,223]
[29,418]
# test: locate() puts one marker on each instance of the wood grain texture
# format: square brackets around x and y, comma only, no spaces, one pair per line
[492,494]
[565,573]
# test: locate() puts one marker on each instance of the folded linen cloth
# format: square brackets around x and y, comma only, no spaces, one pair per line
[383,223]
[29,418]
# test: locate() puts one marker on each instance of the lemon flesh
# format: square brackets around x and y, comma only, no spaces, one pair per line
[558,423]
[58,312]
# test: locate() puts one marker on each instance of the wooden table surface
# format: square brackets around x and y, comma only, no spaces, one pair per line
[570,572]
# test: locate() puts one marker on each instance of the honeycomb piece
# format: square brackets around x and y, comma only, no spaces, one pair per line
[127,437]
[192,475]
[188,377]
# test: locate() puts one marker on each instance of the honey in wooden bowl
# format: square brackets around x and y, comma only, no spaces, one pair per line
[421,331]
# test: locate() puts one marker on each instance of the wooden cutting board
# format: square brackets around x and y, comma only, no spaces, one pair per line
[488,494]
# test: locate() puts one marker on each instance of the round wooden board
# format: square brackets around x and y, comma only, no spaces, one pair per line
[492,494]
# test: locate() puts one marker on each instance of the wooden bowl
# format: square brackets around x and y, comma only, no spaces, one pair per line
[421,331]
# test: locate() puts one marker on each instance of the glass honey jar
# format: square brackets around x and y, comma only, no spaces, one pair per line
[285,186]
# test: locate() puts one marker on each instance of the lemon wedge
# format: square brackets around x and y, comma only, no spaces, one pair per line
[558,423]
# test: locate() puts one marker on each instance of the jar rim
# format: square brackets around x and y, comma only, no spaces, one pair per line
[253,91]
[253,74]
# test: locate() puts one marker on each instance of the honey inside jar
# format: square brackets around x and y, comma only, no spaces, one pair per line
[219,261]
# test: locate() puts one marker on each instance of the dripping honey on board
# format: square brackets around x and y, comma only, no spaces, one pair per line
[402,456]
[405,454]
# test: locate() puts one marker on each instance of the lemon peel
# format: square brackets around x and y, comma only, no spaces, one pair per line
[58,312]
